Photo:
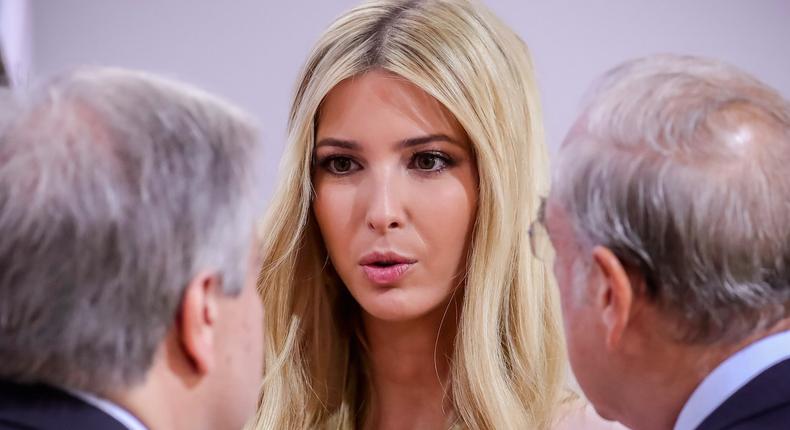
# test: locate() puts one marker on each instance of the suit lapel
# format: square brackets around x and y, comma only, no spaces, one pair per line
[768,390]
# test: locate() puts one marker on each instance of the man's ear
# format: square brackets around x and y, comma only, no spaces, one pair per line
[615,296]
[197,319]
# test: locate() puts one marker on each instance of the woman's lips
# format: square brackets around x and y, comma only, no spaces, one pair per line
[385,268]
[384,275]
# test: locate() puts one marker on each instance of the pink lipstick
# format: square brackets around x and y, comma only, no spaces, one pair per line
[385,268]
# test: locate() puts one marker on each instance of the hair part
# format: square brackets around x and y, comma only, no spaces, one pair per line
[117,187]
[677,164]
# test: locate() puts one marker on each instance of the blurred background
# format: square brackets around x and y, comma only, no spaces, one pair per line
[250,51]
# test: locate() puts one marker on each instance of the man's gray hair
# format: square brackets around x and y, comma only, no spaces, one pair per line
[679,165]
[116,187]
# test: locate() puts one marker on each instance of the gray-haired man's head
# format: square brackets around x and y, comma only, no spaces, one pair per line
[117,189]
[678,165]
[668,214]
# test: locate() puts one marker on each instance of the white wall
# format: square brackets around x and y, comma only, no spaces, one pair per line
[16,39]
[251,51]
[573,41]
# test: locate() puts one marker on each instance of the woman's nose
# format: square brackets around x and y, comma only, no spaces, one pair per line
[385,204]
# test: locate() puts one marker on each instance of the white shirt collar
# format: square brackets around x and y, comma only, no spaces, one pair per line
[732,374]
[120,414]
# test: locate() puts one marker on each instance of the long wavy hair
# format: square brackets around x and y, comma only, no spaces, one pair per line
[508,360]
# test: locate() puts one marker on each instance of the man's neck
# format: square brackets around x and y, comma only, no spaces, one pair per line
[655,400]
[166,398]
[148,406]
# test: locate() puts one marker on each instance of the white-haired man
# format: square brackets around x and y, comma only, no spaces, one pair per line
[669,217]
[127,288]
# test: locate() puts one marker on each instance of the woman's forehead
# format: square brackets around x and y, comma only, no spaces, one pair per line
[377,102]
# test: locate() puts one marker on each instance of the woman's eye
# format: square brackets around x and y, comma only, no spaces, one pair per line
[429,162]
[340,165]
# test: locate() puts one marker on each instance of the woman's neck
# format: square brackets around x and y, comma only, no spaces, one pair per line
[409,363]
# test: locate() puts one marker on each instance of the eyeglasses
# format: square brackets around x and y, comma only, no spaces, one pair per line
[539,241]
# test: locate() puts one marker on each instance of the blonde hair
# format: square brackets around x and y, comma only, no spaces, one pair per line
[508,363]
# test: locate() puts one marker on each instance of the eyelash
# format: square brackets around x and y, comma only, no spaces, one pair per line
[326,164]
[447,161]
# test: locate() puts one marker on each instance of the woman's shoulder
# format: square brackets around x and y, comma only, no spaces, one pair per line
[579,414]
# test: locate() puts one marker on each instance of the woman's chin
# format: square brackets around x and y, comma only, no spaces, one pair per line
[399,305]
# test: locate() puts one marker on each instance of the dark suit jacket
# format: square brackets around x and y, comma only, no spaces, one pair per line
[763,403]
[39,407]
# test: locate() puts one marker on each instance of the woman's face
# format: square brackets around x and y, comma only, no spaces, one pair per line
[396,194]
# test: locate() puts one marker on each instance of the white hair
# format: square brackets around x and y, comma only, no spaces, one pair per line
[679,166]
[116,187]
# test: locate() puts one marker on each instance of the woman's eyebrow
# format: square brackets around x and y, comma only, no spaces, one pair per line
[339,143]
[406,143]
[422,140]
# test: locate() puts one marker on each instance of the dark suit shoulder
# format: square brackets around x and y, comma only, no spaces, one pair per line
[763,403]
[40,407]
[772,419]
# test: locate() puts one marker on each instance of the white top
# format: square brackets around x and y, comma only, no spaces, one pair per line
[120,414]
[732,374]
